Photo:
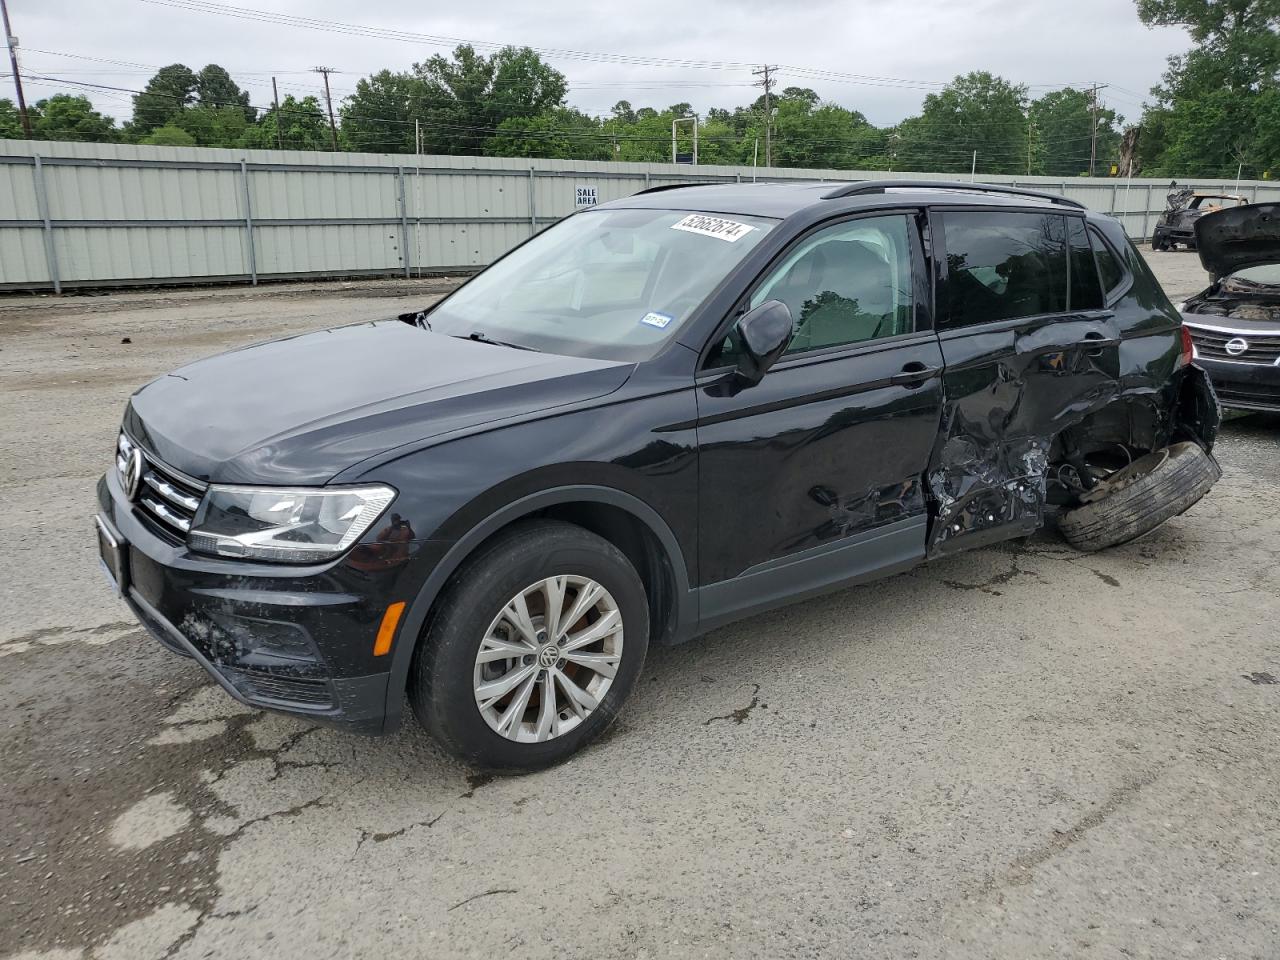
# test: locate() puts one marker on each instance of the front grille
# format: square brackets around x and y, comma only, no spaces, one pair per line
[1262,349]
[166,497]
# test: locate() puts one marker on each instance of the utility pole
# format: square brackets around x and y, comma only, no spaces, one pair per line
[275,95]
[766,75]
[12,43]
[1030,126]
[1093,139]
[333,127]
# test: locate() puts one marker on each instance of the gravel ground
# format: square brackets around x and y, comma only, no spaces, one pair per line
[1016,752]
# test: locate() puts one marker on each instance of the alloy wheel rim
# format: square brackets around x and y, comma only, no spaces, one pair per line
[548,659]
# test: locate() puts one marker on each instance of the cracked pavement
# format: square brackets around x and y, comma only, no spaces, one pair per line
[1019,752]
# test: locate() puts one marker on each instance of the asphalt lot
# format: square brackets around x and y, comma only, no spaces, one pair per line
[1018,752]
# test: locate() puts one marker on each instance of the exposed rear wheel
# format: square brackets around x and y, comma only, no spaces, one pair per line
[1139,498]
[534,648]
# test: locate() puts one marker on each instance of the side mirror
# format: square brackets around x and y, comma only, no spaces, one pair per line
[765,331]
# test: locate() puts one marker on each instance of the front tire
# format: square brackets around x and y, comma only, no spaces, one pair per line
[534,647]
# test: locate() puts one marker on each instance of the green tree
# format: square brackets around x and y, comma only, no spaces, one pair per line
[977,111]
[215,88]
[1215,103]
[375,119]
[169,136]
[172,88]
[208,105]
[211,126]
[562,133]
[1062,131]
[66,117]
[10,121]
[302,125]
[812,134]
[459,101]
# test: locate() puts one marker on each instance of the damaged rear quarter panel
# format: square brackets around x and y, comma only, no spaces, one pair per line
[1012,389]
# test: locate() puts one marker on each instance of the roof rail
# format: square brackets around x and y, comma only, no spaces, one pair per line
[884,186]
[675,186]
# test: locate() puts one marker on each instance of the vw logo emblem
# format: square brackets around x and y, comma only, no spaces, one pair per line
[548,656]
[132,476]
[1236,346]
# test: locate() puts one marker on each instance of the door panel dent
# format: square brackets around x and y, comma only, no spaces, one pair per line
[1007,396]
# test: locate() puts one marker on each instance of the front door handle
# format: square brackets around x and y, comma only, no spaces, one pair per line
[913,374]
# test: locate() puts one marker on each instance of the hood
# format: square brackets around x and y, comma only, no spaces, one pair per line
[1239,237]
[302,409]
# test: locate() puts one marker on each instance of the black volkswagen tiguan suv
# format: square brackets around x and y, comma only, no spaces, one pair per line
[653,418]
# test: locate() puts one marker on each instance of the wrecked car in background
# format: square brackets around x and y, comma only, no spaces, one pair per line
[1182,209]
[1235,323]
[651,419]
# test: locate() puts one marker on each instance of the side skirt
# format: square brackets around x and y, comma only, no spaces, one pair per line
[881,552]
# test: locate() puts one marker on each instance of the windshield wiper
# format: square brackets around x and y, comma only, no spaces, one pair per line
[417,319]
[479,337]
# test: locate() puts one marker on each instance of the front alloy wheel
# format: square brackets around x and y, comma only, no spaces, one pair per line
[548,658]
[523,660]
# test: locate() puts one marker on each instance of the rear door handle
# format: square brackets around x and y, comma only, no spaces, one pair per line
[1097,342]
[913,374]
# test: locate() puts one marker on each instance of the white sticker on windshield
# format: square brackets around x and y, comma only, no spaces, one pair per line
[659,320]
[730,230]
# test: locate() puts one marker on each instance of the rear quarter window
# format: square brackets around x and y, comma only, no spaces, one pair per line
[1086,290]
[1110,269]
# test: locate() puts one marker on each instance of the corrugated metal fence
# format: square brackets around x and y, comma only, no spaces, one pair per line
[86,215]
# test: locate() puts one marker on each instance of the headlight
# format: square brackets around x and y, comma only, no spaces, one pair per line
[286,525]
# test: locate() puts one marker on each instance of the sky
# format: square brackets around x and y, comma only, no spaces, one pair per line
[881,57]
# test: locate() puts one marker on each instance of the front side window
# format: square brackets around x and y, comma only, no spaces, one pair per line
[846,284]
[1001,266]
[613,284]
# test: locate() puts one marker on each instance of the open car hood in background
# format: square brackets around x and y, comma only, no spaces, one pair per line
[1239,237]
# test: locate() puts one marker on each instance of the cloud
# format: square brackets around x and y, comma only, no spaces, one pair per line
[1040,43]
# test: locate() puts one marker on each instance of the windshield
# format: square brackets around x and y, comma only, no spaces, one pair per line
[607,284]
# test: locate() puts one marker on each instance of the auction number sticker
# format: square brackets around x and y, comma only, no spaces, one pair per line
[728,230]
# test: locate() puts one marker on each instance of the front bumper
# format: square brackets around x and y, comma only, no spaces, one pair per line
[1244,386]
[293,639]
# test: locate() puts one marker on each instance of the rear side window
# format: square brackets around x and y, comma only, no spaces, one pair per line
[1109,268]
[1004,265]
[1086,291]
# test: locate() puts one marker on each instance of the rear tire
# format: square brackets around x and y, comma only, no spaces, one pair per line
[451,681]
[1137,499]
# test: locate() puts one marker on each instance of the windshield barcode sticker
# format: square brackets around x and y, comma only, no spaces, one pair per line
[730,230]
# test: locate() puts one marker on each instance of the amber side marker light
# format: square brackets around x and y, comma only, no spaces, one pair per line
[387,630]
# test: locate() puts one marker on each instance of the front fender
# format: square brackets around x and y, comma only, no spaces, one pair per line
[457,553]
